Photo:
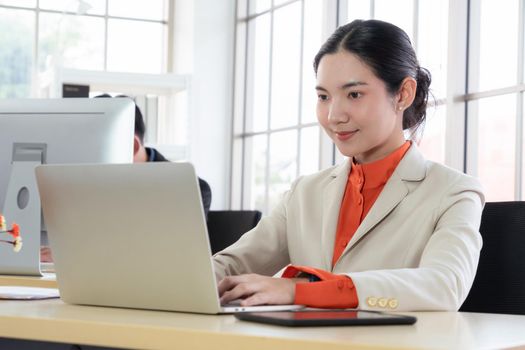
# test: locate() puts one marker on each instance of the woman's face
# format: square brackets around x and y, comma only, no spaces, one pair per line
[355,108]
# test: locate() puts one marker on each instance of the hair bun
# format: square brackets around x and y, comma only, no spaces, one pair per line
[415,115]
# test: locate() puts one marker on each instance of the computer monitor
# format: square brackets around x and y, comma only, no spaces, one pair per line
[53,131]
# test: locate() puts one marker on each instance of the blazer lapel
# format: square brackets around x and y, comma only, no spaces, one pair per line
[411,168]
[332,198]
[391,195]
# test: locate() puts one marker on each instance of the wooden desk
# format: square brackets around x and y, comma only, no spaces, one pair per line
[55,321]
[48,280]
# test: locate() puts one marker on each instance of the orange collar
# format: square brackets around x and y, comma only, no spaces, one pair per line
[376,174]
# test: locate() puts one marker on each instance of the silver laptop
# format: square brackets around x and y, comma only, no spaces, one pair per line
[131,235]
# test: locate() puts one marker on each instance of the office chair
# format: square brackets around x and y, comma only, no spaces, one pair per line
[225,227]
[499,286]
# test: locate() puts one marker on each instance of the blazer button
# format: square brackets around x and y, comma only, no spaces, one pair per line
[393,303]
[371,301]
[340,284]
[382,302]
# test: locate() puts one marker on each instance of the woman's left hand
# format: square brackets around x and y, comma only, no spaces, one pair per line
[256,289]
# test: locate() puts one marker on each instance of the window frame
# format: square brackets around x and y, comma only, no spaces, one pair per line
[168,22]
[518,90]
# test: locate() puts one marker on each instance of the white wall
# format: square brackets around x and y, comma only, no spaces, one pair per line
[204,48]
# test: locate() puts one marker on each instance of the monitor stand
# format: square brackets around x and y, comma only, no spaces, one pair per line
[22,205]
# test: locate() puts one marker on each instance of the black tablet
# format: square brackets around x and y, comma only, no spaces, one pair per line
[326,318]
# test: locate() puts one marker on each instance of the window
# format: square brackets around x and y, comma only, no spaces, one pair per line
[276,137]
[17,34]
[114,46]
[495,97]
[112,35]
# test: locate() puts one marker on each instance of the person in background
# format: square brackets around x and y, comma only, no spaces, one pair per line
[386,229]
[143,154]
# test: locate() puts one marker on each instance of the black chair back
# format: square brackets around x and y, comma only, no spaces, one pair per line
[499,286]
[225,227]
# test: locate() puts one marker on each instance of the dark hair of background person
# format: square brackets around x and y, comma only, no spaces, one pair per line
[140,127]
[387,50]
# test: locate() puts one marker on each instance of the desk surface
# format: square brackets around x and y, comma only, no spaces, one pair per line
[48,280]
[53,320]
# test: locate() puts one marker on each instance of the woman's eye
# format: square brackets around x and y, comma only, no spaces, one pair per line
[322,97]
[354,94]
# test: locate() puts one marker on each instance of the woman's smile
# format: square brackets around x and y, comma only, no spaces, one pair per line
[345,135]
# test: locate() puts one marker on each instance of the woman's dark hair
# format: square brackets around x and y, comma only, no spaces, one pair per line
[387,50]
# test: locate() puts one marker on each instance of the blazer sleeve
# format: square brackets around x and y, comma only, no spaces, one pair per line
[448,263]
[262,250]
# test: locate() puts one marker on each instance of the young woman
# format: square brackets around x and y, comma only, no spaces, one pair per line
[385,230]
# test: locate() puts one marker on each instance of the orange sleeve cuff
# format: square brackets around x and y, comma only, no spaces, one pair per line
[333,291]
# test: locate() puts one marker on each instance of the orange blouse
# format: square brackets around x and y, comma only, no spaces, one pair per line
[365,183]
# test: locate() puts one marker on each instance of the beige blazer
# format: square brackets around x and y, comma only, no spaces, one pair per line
[417,249]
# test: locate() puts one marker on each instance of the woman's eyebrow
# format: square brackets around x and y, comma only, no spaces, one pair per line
[344,86]
[352,84]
